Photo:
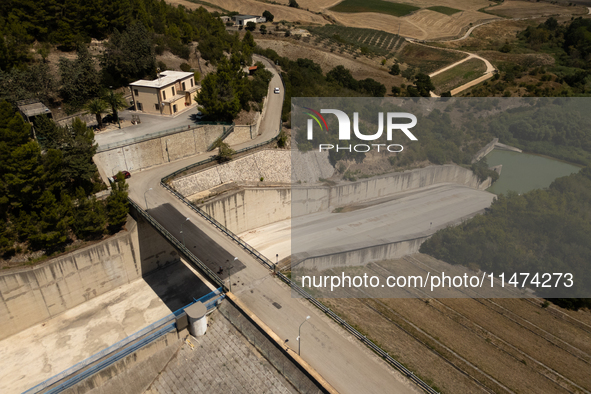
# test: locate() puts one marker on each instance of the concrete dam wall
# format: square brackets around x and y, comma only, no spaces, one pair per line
[160,150]
[29,296]
[252,207]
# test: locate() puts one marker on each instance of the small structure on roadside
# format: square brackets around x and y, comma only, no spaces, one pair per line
[242,20]
[32,108]
[172,92]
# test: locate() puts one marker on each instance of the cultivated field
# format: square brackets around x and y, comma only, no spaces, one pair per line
[360,68]
[377,6]
[458,76]
[378,42]
[421,19]
[529,9]
[476,345]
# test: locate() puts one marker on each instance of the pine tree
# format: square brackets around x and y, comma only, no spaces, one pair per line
[89,216]
[117,204]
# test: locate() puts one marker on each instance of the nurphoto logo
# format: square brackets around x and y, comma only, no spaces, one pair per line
[345,129]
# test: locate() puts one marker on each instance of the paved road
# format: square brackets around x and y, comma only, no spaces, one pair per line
[150,124]
[338,357]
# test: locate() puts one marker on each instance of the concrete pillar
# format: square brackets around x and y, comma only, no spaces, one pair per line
[197,319]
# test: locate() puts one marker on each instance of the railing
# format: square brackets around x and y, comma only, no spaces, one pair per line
[106,357]
[210,300]
[157,134]
[222,137]
[176,243]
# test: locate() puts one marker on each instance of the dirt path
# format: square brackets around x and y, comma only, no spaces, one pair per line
[490,69]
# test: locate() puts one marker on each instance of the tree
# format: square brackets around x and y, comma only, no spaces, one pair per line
[294,4]
[372,87]
[78,150]
[343,77]
[89,217]
[268,16]
[263,29]
[128,56]
[116,101]
[80,79]
[54,221]
[97,107]
[395,69]
[423,84]
[117,204]
[219,91]
[250,26]
[225,153]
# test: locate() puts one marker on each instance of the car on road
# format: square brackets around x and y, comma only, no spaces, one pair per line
[126,175]
[276,91]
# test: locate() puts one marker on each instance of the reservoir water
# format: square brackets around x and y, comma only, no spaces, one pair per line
[523,172]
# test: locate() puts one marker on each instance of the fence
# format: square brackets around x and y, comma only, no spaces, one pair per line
[157,134]
[210,300]
[266,346]
[177,244]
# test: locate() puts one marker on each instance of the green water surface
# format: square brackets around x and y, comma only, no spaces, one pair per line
[523,172]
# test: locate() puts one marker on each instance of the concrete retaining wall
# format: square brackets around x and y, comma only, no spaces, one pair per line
[146,154]
[384,185]
[237,211]
[272,165]
[485,151]
[29,296]
[360,257]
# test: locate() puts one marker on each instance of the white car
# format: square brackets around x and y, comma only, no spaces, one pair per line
[276,91]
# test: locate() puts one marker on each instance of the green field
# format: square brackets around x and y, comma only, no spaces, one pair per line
[444,10]
[379,6]
[351,38]
[459,75]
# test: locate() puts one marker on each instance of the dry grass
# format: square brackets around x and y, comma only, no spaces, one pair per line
[502,344]
[360,68]
[253,7]
[529,9]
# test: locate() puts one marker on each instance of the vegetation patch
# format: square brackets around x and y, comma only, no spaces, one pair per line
[379,6]
[353,39]
[427,59]
[444,10]
[458,75]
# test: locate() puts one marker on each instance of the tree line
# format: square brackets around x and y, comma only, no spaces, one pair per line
[47,194]
[539,231]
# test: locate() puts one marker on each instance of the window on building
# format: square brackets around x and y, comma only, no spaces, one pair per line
[184,87]
[191,82]
[136,92]
[174,108]
[173,91]
[156,105]
[140,107]
[163,95]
